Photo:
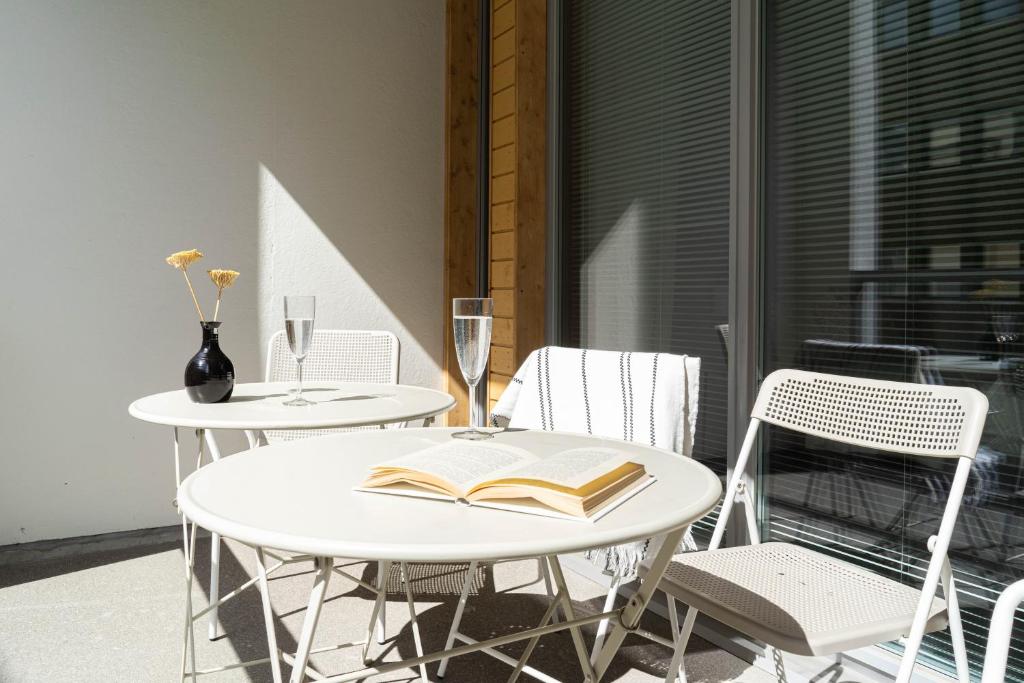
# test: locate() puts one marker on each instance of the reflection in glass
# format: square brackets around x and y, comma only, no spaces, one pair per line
[907,269]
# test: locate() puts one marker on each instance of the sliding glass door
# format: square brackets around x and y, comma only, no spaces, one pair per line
[645,187]
[894,248]
[891,242]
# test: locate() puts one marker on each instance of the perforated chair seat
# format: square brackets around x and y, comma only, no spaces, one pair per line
[796,599]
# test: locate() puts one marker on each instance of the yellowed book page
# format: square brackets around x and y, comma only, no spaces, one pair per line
[459,464]
[572,469]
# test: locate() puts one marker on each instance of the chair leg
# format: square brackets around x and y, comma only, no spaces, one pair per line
[956,628]
[676,669]
[673,616]
[412,619]
[602,626]
[457,620]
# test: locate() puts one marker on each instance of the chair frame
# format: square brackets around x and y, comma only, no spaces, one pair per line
[1000,631]
[740,488]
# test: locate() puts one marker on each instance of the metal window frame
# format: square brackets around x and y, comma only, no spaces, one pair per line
[483,160]
[553,324]
[745,209]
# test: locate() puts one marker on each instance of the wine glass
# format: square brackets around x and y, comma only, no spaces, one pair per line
[472,319]
[299,312]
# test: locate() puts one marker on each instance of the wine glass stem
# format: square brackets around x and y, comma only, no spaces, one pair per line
[475,420]
[298,391]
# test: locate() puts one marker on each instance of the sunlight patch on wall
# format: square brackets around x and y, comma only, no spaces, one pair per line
[295,257]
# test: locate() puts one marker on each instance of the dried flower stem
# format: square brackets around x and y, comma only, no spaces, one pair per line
[194,299]
[222,279]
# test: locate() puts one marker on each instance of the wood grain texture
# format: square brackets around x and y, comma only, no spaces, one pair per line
[461,131]
[502,361]
[502,246]
[503,188]
[503,275]
[504,306]
[531,174]
[502,333]
[503,217]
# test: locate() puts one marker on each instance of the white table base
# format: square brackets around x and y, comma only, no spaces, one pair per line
[622,621]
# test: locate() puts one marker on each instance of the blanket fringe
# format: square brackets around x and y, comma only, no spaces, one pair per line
[623,561]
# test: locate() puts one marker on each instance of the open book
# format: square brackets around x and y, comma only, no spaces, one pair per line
[582,483]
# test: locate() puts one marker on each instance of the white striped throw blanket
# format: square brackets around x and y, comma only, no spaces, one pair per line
[648,398]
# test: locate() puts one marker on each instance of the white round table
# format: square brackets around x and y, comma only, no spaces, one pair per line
[259,406]
[299,497]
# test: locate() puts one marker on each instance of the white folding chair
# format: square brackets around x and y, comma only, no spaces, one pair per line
[805,602]
[334,356]
[689,407]
[998,648]
[369,356]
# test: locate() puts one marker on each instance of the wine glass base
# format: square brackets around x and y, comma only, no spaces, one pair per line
[298,401]
[472,435]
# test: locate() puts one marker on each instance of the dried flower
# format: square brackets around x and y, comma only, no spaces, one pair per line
[182,260]
[222,279]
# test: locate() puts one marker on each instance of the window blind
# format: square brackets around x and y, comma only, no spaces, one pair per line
[646,188]
[894,227]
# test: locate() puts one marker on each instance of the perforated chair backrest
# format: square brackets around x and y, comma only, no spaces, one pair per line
[337,356]
[334,356]
[898,417]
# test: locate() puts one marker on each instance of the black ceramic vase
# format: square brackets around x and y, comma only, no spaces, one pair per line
[209,376]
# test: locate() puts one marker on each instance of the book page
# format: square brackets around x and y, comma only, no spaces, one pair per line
[462,464]
[574,468]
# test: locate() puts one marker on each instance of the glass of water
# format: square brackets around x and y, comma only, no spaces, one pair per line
[472,319]
[299,312]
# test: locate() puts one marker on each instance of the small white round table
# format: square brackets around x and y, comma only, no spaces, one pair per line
[299,497]
[259,406]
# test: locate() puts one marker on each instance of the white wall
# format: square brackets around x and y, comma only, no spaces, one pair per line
[300,143]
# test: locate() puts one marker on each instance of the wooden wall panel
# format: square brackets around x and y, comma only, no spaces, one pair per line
[516,177]
[461,131]
[518,183]
[502,172]
[531,176]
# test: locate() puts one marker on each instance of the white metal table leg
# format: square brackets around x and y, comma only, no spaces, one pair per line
[188,650]
[252,437]
[214,595]
[577,636]
[383,569]
[316,602]
[457,620]
[549,614]
[602,627]
[379,605]
[268,616]
[412,618]
[630,615]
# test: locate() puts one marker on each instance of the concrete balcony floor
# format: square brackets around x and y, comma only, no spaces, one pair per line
[116,614]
